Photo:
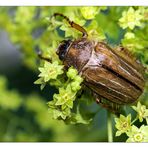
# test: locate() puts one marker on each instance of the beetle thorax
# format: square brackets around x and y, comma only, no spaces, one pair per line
[79,53]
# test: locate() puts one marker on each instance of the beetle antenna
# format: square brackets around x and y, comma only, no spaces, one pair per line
[73,24]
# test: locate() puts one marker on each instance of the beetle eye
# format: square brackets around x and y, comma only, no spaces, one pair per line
[62,49]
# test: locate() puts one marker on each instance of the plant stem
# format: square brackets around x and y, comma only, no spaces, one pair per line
[109,127]
[134,120]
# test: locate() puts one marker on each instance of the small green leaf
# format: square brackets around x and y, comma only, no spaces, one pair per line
[95,32]
[39,81]
[70,32]
[118,133]
[42,86]
[70,103]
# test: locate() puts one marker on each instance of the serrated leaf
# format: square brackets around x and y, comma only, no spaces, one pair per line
[39,81]
[42,86]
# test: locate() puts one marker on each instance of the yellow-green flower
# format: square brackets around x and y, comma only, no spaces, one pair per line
[64,98]
[123,124]
[138,134]
[57,113]
[130,19]
[142,111]
[50,70]
[89,12]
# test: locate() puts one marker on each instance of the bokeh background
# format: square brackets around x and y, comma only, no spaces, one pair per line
[23,106]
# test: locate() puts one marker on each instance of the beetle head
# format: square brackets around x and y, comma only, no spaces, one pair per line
[63,48]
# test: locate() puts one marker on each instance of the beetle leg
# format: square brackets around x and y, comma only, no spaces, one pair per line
[73,24]
[42,57]
[110,105]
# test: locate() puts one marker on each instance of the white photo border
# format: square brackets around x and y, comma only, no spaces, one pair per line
[73,2]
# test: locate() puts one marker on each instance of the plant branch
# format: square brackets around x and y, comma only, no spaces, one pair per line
[109,127]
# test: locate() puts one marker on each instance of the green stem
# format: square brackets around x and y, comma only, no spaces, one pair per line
[134,120]
[109,127]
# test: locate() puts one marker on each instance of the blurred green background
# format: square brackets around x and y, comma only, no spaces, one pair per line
[23,106]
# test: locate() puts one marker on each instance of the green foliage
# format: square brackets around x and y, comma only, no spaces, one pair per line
[26,118]
[95,32]
[11,102]
[125,125]
[135,39]
[60,107]
[90,12]
[30,28]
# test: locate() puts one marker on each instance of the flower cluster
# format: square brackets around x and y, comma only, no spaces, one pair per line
[62,103]
[134,21]
[130,19]
[86,13]
[125,125]
[90,12]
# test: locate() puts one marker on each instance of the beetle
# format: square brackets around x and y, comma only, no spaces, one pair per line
[113,76]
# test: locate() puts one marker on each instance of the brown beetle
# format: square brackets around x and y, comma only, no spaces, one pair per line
[114,77]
